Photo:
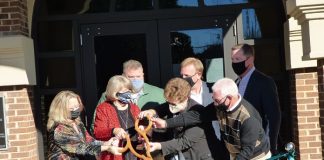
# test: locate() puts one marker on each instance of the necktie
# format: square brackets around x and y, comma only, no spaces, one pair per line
[237,81]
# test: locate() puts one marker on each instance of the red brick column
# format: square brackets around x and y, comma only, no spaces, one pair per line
[21,130]
[13,17]
[320,70]
[22,136]
[305,113]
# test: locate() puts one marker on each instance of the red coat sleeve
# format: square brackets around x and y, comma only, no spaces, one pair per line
[105,121]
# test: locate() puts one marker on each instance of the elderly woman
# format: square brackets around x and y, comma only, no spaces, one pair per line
[68,138]
[116,115]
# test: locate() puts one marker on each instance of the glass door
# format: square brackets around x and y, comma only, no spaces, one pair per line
[104,49]
[206,38]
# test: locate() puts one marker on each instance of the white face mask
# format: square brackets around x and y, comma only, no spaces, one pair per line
[178,107]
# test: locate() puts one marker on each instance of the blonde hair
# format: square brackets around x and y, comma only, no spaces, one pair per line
[132,64]
[115,84]
[195,62]
[177,89]
[59,111]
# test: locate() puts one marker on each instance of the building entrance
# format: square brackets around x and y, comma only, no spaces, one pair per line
[79,45]
[160,45]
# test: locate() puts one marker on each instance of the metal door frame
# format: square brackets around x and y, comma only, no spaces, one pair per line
[90,31]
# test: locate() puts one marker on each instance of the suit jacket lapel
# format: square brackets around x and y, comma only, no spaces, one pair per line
[249,88]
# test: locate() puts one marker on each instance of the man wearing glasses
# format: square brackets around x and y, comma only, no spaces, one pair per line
[240,122]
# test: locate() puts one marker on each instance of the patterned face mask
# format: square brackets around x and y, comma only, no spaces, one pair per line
[125,97]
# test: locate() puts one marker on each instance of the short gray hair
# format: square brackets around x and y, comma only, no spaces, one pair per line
[226,87]
[132,64]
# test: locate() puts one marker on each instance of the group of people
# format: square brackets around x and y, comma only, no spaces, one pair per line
[233,120]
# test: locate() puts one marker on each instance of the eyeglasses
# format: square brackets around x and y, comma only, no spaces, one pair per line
[170,103]
[217,102]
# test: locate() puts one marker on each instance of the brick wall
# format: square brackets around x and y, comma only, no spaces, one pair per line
[305,113]
[21,131]
[320,71]
[13,17]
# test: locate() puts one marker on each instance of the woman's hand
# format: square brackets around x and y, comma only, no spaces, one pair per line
[146,113]
[142,128]
[114,150]
[120,133]
[154,146]
[114,141]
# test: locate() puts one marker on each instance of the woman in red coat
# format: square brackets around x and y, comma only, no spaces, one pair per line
[116,116]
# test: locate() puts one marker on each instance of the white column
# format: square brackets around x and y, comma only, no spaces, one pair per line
[310,15]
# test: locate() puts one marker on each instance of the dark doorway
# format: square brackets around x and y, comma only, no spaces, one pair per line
[111,51]
[159,45]
[104,49]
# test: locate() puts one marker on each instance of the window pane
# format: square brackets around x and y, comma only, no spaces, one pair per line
[57,7]
[223,2]
[251,26]
[113,50]
[133,5]
[55,36]
[96,6]
[178,3]
[205,44]
[57,73]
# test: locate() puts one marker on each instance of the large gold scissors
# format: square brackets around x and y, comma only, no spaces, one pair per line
[143,133]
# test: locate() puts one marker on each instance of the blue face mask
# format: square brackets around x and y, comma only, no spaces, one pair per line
[125,97]
[137,84]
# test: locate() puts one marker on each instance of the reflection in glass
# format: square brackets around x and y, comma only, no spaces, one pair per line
[132,5]
[96,6]
[57,7]
[112,50]
[178,3]
[205,44]
[57,73]
[251,26]
[223,2]
[55,36]
[214,69]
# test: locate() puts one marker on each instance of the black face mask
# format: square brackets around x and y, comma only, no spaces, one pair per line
[239,68]
[222,106]
[190,81]
[75,114]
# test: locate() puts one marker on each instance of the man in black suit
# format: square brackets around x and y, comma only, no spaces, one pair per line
[259,89]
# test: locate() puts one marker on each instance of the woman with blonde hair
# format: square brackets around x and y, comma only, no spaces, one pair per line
[116,116]
[68,138]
